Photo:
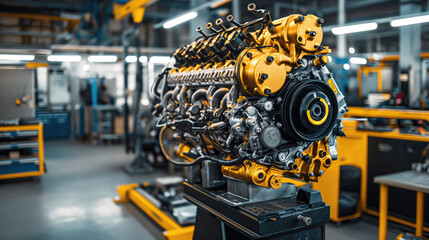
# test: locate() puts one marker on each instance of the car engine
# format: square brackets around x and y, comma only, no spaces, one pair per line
[253,102]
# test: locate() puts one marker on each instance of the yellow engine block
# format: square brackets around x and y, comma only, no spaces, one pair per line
[258,106]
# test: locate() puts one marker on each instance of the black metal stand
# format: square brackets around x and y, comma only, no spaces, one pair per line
[140,163]
[293,218]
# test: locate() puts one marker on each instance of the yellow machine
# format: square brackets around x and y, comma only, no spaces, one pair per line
[173,230]
[228,80]
[21,149]
[377,151]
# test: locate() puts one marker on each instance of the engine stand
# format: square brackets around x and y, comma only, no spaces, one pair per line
[296,217]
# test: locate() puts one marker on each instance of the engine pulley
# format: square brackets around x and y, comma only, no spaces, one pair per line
[310,110]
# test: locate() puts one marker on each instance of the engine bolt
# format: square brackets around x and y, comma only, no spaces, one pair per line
[298,154]
[297,175]
[264,76]
[270,59]
[301,18]
[170,108]
[251,122]
[306,158]
[306,220]
[320,48]
[258,130]
[249,55]
[279,125]
[311,174]
[267,91]
[321,172]
[282,156]
[320,21]
[268,106]
[313,34]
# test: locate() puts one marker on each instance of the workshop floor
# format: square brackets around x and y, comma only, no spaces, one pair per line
[74,200]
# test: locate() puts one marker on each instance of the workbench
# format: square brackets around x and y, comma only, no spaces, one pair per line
[409,180]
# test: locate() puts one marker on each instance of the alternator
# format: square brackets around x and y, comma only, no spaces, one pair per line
[257,106]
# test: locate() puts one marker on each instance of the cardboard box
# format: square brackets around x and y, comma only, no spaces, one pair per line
[14,154]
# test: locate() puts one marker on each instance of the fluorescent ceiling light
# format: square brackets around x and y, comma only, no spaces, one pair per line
[180,19]
[86,67]
[346,66]
[354,28]
[358,60]
[159,59]
[16,57]
[64,58]
[409,21]
[102,58]
[133,59]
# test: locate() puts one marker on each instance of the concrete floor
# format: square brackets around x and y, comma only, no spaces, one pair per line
[74,200]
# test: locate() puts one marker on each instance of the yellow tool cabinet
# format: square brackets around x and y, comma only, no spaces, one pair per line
[364,149]
[21,151]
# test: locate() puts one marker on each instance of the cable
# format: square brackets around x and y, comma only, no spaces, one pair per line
[198,160]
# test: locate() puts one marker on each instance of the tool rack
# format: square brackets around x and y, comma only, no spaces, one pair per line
[21,151]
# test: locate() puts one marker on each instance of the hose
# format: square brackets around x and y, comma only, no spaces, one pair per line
[199,94]
[166,97]
[209,93]
[199,159]
[217,97]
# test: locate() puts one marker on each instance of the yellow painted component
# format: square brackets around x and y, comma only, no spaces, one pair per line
[388,113]
[273,177]
[295,182]
[138,14]
[420,209]
[32,65]
[120,12]
[321,60]
[123,193]
[41,153]
[173,231]
[152,211]
[384,196]
[73,22]
[332,85]
[184,233]
[321,121]
[257,74]
[395,219]
[262,71]
[221,3]
[353,151]
[36,16]
[18,102]
[399,237]
[394,58]
[366,70]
